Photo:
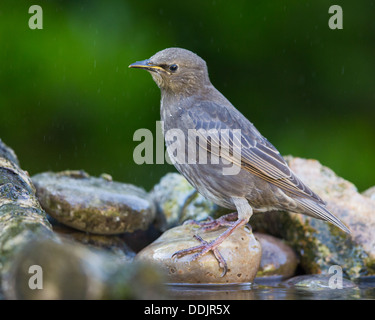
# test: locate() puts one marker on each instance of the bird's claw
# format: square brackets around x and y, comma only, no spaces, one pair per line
[202,249]
[216,252]
[231,220]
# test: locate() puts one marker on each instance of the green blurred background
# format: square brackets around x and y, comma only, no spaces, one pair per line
[69,101]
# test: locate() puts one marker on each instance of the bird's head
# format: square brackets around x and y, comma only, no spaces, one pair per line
[176,70]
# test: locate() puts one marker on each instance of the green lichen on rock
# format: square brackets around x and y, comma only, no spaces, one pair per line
[318,243]
[8,153]
[70,269]
[178,201]
[21,217]
[95,205]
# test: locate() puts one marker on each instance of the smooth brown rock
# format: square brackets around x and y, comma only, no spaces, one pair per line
[241,251]
[278,259]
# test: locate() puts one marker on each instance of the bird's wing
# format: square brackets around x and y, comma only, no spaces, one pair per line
[258,155]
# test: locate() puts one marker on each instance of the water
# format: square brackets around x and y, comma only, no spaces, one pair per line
[271,290]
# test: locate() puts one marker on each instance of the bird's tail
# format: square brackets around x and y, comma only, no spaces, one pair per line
[320,212]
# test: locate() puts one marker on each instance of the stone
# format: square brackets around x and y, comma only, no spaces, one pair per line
[95,205]
[318,282]
[241,251]
[139,239]
[8,153]
[69,270]
[370,193]
[113,244]
[319,244]
[278,259]
[33,256]
[21,217]
[177,201]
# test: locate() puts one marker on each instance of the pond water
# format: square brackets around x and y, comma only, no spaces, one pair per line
[271,290]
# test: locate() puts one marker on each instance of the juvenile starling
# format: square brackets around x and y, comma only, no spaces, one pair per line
[263,182]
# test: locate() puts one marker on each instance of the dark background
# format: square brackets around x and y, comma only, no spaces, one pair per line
[69,101]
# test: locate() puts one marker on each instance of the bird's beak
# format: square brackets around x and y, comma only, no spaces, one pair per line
[147,65]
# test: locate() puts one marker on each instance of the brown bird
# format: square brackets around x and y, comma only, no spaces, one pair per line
[262,182]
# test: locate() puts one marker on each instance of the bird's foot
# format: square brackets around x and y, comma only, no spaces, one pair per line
[205,246]
[202,249]
[213,224]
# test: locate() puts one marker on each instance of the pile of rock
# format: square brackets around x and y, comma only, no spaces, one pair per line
[38,252]
[114,233]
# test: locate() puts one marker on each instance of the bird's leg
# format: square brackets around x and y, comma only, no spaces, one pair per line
[244,213]
[213,224]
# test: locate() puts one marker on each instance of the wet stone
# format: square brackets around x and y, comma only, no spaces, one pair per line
[15,185]
[73,271]
[95,205]
[139,239]
[8,153]
[319,282]
[113,244]
[22,219]
[241,251]
[177,201]
[278,259]
[319,244]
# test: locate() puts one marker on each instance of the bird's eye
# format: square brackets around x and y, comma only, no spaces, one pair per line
[173,67]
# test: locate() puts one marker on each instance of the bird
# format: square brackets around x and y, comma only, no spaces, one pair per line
[262,180]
